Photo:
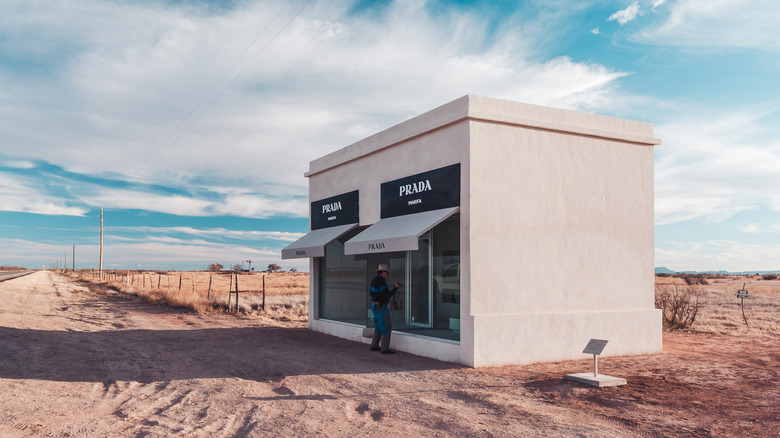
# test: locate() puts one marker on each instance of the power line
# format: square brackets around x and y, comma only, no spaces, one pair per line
[167,144]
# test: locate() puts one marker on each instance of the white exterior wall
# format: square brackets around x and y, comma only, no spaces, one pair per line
[556,227]
[561,236]
[438,148]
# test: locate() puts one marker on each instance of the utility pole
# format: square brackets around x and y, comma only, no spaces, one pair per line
[73,259]
[100,268]
[66,260]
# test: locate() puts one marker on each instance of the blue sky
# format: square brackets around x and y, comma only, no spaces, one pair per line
[191,122]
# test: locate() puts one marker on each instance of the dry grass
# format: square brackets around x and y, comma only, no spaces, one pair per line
[286,293]
[722,311]
[287,296]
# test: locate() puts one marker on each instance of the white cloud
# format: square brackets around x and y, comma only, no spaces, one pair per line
[657,3]
[17,164]
[718,23]
[258,206]
[760,228]
[169,254]
[54,192]
[219,232]
[191,254]
[716,255]
[715,165]
[595,31]
[253,205]
[30,254]
[623,16]
[136,200]
[111,90]
[19,194]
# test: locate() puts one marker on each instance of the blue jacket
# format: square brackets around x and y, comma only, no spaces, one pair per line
[379,291]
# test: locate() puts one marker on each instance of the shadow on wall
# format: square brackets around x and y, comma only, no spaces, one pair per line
[256,353]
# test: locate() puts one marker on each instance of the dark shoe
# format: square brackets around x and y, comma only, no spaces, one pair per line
[388,352]
[375,349]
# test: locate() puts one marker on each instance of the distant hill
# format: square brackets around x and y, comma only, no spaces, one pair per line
[664,270]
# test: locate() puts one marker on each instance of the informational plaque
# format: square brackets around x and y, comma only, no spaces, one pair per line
[595,346]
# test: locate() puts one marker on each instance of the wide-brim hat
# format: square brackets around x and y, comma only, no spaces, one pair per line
[383,267]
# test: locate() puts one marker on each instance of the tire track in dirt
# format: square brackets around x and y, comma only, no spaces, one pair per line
[146,407]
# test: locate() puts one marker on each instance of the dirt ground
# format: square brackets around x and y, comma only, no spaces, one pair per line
[74,362]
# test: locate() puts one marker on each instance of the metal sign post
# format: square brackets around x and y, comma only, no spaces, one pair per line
[742,294]
[595,347]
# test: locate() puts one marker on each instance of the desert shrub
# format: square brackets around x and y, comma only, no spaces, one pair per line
[679,305]
[770,277]
[691,279]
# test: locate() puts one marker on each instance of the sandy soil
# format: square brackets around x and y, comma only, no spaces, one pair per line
[79,363]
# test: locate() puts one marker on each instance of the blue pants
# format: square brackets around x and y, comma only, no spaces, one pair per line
[382,327]
[381,319]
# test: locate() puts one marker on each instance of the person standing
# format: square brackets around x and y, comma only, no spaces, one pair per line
[380,295]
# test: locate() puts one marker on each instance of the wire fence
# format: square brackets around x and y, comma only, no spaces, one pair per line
[230,290]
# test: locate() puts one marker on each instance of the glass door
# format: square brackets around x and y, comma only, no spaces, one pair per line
[419,290]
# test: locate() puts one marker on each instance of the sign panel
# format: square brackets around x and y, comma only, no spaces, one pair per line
[595,346]
[742,294]
[336,210]
[432,190]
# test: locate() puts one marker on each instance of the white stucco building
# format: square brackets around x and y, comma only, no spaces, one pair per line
[519,232]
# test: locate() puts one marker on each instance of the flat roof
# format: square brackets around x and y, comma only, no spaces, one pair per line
[491,110]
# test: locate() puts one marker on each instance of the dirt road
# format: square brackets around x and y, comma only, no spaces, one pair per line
[80,363]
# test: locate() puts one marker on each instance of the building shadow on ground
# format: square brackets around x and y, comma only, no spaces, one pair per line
[253,353]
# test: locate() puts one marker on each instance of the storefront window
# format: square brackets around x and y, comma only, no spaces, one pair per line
[427,304]
[446,276]
[343,293]
[420,284]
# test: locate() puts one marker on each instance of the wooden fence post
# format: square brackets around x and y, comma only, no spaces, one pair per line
[208,296]
[180,282]
[263,292]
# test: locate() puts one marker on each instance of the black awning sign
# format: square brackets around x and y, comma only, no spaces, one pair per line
[336,210]
[432,190]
